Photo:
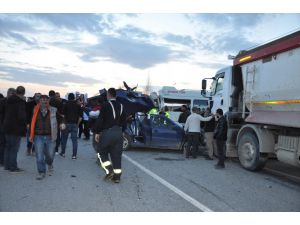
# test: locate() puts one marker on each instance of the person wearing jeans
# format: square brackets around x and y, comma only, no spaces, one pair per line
[43,133]
[12,145]
[221,136]
[44,153]
[14,127]
[3,101]
[69,129]
[72,114]
[2,135]
[2,146]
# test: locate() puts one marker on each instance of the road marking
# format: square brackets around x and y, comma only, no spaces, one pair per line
[170,186]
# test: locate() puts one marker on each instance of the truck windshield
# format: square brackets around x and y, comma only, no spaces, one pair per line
[200,103]
[217,84]
[175,104]
[213,87]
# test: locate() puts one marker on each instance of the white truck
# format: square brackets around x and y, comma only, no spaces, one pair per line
[260,95]
[174,99]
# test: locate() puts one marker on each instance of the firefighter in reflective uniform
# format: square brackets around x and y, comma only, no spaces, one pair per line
[153,111]
[165,111]
[109,136]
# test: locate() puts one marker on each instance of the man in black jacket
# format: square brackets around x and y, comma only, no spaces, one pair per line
[10,92]
[109,136]
[184,115]
[14,126]
[30,104]
[221,137]
[57,102]
[72,116]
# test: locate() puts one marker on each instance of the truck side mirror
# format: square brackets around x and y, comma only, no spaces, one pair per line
[204,84]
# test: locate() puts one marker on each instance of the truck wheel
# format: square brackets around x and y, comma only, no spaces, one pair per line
[126,142]
[248,152]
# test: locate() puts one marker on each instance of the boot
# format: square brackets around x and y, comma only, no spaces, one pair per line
[116,178]
[109,172]
[117,175]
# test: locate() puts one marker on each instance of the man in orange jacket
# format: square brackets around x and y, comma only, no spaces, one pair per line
[43,134]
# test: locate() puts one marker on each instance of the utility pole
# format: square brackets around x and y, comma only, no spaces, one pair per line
[148,88]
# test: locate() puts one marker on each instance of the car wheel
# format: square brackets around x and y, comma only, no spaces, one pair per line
[126,142]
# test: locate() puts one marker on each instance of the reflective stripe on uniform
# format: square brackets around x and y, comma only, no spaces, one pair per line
[104,164]
[117,171]
[113,109]
[153,111]
[167,115]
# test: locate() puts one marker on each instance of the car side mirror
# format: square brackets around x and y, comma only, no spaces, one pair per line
[204,83]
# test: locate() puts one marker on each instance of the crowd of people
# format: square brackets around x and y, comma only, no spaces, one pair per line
[214,128]
[47,121]
[200,125]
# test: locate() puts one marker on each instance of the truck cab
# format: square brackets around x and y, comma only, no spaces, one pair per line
[221,89]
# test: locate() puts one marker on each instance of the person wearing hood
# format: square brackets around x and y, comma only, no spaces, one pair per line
[14,126]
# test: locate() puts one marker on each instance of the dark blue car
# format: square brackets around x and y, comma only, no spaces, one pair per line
[155,131]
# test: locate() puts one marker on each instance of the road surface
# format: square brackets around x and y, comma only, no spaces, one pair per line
[152,180]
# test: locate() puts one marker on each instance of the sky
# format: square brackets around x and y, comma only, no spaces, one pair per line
[88,52]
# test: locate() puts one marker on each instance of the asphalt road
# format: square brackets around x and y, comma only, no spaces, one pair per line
[152,180]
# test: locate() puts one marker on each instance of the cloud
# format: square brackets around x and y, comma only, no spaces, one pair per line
[237,20]
[134,32]
[225,33]
[12,27]
[211,65]
[72,21]
[135,53]
[126,45]
[43,77]
[22,38]
[180,39]
[231,43]
[14,22]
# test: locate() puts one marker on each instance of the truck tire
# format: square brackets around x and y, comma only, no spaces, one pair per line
[249,154]
[127,140]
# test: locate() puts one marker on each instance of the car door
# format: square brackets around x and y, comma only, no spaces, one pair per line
[165,133]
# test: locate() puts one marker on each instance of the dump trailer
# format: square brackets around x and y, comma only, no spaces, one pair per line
[260,96]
